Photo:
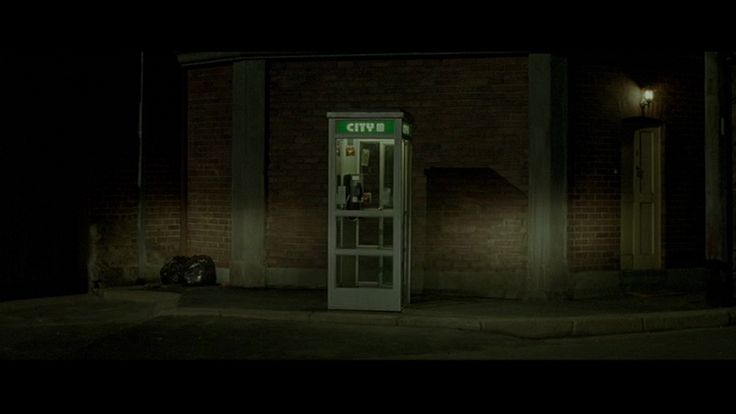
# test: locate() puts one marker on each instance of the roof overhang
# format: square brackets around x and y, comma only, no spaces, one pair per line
[187,59]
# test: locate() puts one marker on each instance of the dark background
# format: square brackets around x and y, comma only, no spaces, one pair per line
[70,113]
[73,122]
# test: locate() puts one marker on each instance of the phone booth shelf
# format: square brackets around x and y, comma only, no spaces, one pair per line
[369,223]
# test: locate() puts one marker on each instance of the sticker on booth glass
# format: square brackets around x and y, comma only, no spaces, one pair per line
[365,156]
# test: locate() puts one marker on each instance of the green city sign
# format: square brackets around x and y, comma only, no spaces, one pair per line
[364,126]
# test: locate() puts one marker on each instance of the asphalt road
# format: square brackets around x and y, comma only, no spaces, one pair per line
[225,338]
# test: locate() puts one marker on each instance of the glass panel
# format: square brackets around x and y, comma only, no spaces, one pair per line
[359,166]
[368,270]
[388,176]
[368,233]
[388,232]
[346,276]
[375,271]
[347,230]
[348,180]
[355,232]
[370,164]
[387,271]
[372,271]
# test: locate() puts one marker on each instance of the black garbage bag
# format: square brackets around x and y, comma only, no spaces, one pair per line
[173,270]
[200,271]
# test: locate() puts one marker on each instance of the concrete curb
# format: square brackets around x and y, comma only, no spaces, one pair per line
[607,325]
[355,318]
[451,322]
[537,328]
[167,304]
[16,305]
[529,328]
[687,320]
[258,314]
[163,301]
[156,301]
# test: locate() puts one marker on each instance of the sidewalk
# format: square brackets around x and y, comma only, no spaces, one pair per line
[627,314]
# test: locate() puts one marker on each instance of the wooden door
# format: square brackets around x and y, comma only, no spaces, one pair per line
[646,212]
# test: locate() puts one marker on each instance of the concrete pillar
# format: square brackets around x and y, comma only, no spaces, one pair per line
[247,264]
[732,75]
[141,204]
[718,194]
[547,227]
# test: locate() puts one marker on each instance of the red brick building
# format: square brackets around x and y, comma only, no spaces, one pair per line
[527,170]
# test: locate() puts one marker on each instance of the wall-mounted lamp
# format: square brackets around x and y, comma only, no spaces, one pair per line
[646,99]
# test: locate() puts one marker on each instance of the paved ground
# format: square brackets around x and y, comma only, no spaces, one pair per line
[216,323]
[223,338]
[632,313]
[436,304]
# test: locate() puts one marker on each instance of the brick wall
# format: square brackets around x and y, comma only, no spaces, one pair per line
[113,209]
[113,201]
[595,131]
[209,163]
[468,113]
[683,111]
[733,164]
[478,222]
[162,181]
[114,170]
[603,93]
[162,208]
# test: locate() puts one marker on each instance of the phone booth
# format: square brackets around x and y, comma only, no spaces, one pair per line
[369,263]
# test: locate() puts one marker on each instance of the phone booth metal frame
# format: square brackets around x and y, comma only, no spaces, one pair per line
[369,270]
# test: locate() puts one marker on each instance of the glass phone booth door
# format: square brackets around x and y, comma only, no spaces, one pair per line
[369,210]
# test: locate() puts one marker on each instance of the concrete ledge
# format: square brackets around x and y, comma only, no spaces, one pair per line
[296,278]
[522,327]
[355,318]
[686,279]
[22,304]
[607,325]
[267,315]
[189,312]
[163,300]
[470,324]
[686,320]
[533,328]
[530,328]
[502,285]
[260,314]
[691,279]
[595,284]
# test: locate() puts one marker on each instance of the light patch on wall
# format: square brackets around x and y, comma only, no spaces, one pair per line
[629,99]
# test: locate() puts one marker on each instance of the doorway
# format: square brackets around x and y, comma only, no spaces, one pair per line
[641,200]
